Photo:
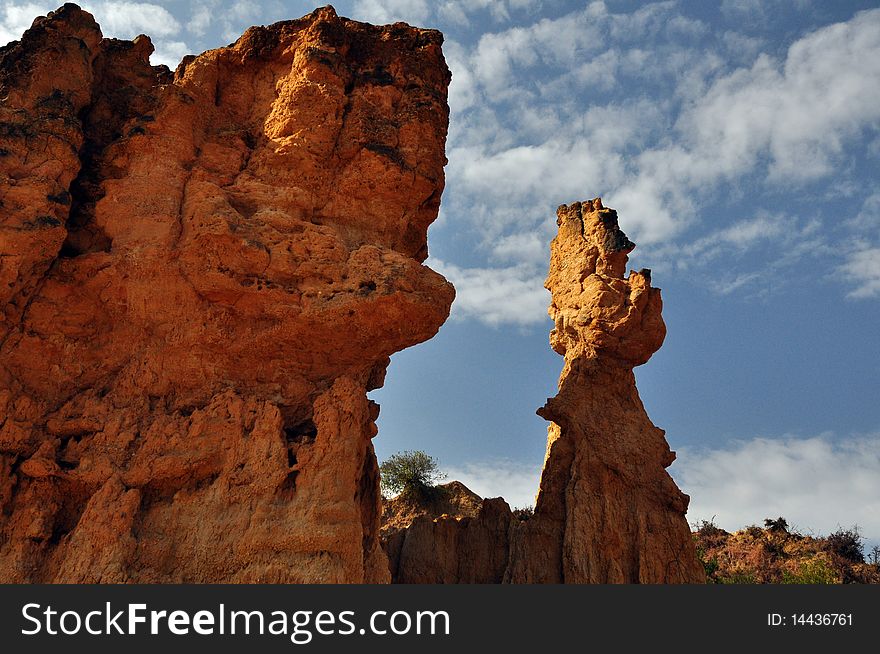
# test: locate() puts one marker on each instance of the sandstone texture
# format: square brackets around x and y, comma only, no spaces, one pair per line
[202,273]
[457,537]
[606,510]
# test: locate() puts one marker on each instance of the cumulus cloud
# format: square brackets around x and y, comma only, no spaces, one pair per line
[169,53]
[508,179]
[818,484]
[513,295]
[797,113]
[536,122]
[789,120]
[527,246]
[16,17]
[117,19]
[230,19]
[128,19]
[516,482]
[200,19]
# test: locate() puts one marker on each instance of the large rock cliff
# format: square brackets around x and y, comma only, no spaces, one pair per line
[606,511]
[201,275]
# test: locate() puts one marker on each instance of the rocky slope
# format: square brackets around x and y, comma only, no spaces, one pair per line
[606,511]
[776,554]
[201,275]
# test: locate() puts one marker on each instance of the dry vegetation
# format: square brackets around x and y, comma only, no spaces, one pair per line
[453,499]
[777,554]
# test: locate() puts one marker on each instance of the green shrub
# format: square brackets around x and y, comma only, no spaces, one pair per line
[708,529]
[814,571]
[741,577]
[412,473]
[779,525]
[847,544]
[710,566]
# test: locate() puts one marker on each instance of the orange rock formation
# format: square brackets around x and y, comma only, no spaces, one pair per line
[201,275]
[606,511]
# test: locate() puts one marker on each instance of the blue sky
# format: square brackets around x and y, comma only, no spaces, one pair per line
[739,141]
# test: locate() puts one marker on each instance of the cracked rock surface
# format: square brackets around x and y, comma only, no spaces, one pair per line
[201,274]
[606,511]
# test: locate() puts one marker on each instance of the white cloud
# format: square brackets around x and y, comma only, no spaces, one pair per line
[567,43]
[728,284]
[862,269]
[390,11]
[507,189]
[169,53]
[818,484]
[231,19]
[203,15]
[462,90]
[756,10]
[778,230]
[423,12]
[740,8]
[117,18]
[868,219]
[745,232]
[773,241]
[17,17]
[797,113]
[740,46]
[686,26]
[513,295]
[532,128]
[128,19]
[789,120]
[516,482]
[523,247]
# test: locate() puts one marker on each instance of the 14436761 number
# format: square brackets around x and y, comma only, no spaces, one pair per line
[810,619]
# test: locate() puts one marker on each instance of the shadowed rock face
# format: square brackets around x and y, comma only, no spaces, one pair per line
[454,537]
[606,511]
[201,275]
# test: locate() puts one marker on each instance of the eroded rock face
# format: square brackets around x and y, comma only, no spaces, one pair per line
[456,537]
[607,511]
[201,275]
